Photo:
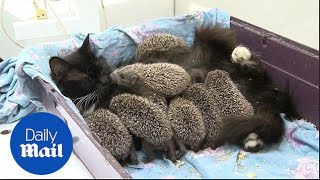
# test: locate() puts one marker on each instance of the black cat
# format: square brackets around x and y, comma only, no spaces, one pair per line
[84,78]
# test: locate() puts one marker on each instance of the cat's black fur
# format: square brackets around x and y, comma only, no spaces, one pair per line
[80,73]
[210,45]
[211,50]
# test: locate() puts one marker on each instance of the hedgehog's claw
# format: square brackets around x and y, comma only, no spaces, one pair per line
[149,151]
[213,144]
[133,155]
[182,149]
[171,151]
[195,148]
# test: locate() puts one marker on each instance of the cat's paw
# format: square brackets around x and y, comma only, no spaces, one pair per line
[252,143]
[241,55]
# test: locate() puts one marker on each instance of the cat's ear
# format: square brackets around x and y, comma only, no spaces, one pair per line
[85,47]
[58,66]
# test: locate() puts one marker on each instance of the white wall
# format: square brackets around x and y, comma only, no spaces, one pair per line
[118,12]
[295,19]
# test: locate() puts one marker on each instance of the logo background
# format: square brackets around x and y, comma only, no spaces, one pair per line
[38,122]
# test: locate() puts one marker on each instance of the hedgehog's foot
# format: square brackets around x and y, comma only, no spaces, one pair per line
[133,155]
[195,147]
[181,148]
[204,145]
[149,151]
[213,144]
[122,162]
[171,151]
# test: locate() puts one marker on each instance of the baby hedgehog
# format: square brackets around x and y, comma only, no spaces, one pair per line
[147,121]
[227,95]
[203,99]
[164,79]
[162,48]
[187,123]
[113,134]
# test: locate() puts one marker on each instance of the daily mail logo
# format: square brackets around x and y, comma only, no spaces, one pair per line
[41,143]
[32,150]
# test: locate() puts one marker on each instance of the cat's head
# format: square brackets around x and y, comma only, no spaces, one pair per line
[81,75]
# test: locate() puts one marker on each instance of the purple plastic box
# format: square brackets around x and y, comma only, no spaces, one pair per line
[286,62]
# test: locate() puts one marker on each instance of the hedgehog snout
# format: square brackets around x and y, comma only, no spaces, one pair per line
[114,77]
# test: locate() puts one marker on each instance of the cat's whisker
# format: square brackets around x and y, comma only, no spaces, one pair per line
[86,100]
[82,102]
[84,96]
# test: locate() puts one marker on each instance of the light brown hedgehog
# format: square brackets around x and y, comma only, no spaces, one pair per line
[211,113]
[164,79]
[227,95]
[187,123]
[113,134]
[147,121]
[162,48]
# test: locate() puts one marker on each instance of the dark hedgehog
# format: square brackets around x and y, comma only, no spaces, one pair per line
[162,48]
[211,112]
[227,95]
[164,79]
[147,121]
[113,134]
[187,123]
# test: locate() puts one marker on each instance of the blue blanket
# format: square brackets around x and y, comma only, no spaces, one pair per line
[297,156]
[18,92]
